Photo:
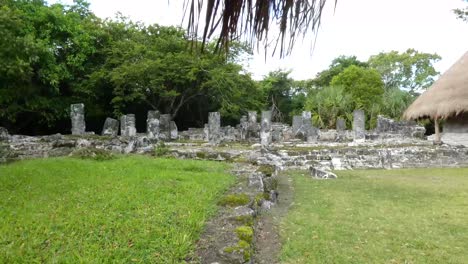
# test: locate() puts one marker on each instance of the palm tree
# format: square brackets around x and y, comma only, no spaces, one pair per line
[252,20]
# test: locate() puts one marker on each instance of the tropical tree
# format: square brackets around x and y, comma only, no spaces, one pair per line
[410,70]
[338,65]
[364,85]
[329,103]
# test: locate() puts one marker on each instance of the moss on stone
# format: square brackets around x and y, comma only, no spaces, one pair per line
[247,220]
[267,170]
[245,233]
[234,200]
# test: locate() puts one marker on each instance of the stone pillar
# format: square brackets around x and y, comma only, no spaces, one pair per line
[152,124]
[127,125]
[340,124]
[253,128]
[174,132]
[206,132]
[243,127]
[165,127]
[4,133]
[111,127]
[296,124]
[77,119]
[214,128]
[265,129]
[359,125]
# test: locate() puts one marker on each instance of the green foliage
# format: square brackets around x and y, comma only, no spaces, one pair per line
[130,209]
[364,85]
[378,216]
[267,170]
[93,154]
[410,70]
[462,13]
[278,89]
[338,65]
[243,247]
[160,149]
[395,103]
[234,200]
[328,104]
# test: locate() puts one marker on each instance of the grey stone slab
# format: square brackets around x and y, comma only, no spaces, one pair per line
[127,125]
[152,124]
[165,127]
[77,119]
[359,125]
[214,128]
[111,127]
[174,132]
[265,129]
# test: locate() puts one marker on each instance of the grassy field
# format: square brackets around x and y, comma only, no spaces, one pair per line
[379,216]
[130,209]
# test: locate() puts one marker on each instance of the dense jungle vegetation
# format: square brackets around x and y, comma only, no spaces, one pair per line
[55,55]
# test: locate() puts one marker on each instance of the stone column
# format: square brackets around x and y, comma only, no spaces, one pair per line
[214,128]
[111,127]
[253,127]
[152,124]
[165,127]
[243,126]
[127,125]
[174,132]
[77,119]
[359,125]
[296,124]
[265,129]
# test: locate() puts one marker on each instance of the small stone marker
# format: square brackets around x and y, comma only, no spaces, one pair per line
[77,119]
[111,127]
[265,129]
[359,125]
[127,125]
[214,128]
[253,128]
[174,131]
[243,127]
[165,127]
[152,124]
[340,124]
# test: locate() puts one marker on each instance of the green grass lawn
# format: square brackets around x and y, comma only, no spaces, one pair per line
[379,216]
[130,209]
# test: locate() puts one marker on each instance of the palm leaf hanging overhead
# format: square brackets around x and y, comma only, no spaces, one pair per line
[252,20]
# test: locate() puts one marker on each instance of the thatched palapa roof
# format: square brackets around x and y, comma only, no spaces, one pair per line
[448,96]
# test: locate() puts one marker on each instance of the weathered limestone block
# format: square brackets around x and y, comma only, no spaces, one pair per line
[322,174]
[243,127]
[265,129]
[359,125]
[127,125]
[228,133]
[3,133]
[253,128]
[174,132]
[214,128]
[340,124]
[165,127]
[152,124]
[296,124]
[111,127]
[77,119]
[404,128]
[206,132]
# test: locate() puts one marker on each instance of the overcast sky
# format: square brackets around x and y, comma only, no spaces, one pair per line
[358,27]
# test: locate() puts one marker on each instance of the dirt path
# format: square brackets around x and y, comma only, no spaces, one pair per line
[267,239]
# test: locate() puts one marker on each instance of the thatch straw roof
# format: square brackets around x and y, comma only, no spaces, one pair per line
[447,97]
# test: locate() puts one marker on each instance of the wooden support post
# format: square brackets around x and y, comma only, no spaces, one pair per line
[437,131]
